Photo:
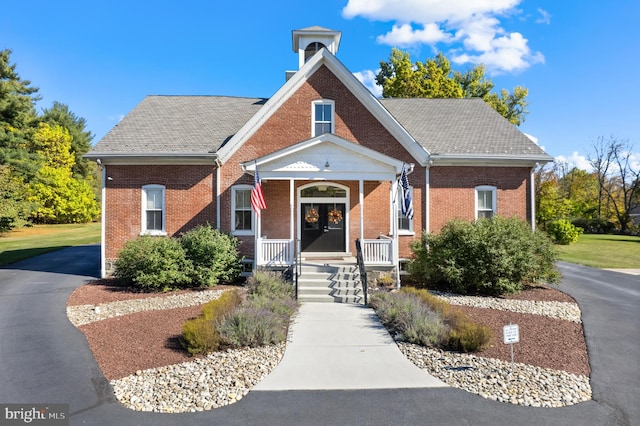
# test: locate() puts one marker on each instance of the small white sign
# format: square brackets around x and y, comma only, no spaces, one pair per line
[511,333]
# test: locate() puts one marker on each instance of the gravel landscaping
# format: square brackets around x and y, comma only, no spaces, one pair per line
[134,338]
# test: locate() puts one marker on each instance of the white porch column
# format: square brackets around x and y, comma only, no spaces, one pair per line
[292,220]
[394,227]
[361,203]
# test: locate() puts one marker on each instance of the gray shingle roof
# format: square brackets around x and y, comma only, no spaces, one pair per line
[460,126]
[179,124]
[202,124]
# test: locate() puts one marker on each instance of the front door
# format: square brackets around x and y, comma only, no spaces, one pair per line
[323,227]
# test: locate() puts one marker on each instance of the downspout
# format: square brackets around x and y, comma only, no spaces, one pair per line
[533,198]
[103,202]
[218,208]
[427,201]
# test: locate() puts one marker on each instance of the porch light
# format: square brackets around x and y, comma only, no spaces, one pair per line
[326,165]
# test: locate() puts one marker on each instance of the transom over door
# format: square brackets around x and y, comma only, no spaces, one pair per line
[323,227]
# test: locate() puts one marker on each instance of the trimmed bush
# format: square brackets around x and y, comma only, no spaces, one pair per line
[153,264]
[407,316]
[269,284]
[200,335]
[253,326]
[563,232]
[264,317]
[464,335]
[214,255]
[488,256]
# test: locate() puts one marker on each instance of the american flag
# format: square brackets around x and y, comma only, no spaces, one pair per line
[407,199]
[257,197]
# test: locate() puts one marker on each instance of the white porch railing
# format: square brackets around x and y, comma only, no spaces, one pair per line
[378,252]
[274,252]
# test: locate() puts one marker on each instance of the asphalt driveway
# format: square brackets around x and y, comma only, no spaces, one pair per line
[45,359]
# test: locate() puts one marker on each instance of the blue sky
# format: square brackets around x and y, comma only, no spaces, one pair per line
[578,59]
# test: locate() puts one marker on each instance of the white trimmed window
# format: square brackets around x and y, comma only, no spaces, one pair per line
[486,202]
[241,211]
[153,210]
[405,224]
[322,113]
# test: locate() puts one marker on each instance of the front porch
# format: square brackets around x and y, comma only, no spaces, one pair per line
[279,253]
[322,195]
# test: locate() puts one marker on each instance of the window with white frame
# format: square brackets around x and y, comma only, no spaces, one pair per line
[486,202]
[241,211]
[322,117]
[153,210]
[405,224]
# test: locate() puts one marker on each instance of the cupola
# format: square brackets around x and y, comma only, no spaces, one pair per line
[307,41]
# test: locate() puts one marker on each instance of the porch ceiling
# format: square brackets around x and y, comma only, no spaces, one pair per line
[326,157]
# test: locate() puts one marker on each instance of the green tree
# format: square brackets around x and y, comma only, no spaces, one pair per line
[17,118]
[60,197]
[15,208]
[618,177]
[80,137]
[435,78]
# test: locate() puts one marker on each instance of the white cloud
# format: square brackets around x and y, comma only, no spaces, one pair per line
[476,24]
[405,35]
[575,160]
[545,17]
[368,78]
[509,53]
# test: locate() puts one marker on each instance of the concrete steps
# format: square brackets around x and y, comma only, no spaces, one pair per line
[331,283]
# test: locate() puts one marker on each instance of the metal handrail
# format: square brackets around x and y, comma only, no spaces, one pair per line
[362,269]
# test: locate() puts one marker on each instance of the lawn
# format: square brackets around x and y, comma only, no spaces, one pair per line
[603,251]
[28,242]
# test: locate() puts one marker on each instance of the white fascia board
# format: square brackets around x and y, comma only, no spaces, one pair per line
[489,160]
[155,158]
[324,57]
[326,176]
[269,108]
[417,151]
[249,166]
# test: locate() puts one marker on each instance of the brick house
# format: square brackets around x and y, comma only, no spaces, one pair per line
[329,155]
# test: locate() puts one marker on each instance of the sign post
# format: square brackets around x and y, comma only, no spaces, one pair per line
[511,336]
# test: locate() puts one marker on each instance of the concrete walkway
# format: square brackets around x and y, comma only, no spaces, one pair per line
[333,346]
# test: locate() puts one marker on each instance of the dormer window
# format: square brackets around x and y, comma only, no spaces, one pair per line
[312,49]
[322,117]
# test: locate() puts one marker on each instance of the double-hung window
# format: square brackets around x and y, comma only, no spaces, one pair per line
[486,202]
[153,210]
[242,213]
[322,117]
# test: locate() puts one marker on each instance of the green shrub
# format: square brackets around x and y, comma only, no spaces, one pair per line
[264,317]
[153,264]
[488,256]
[252,326]
[214,255]
[463,335]
[269,284]
[563,232]
[407,316]
[200,335]
[594,226]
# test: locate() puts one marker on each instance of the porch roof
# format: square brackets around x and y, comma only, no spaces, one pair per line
[326,157]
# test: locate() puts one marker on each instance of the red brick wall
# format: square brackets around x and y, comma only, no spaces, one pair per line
[190,200]
[452,192]
[291,124]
